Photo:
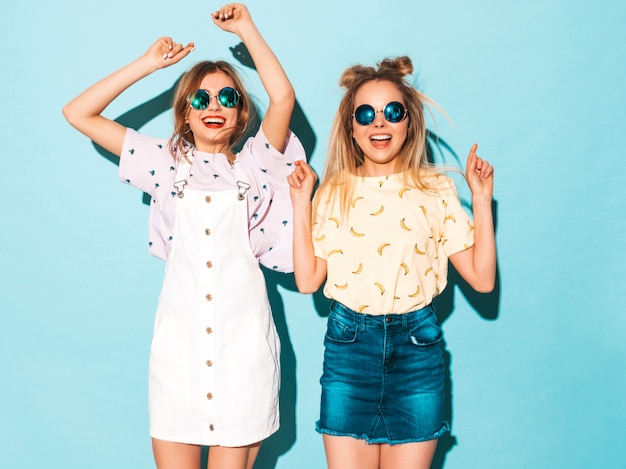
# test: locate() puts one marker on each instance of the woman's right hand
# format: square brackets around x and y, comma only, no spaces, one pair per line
[165,52]
[84,112]
[301,183]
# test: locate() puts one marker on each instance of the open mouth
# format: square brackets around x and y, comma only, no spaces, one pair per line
[380,141]
[213,122]
[380,137]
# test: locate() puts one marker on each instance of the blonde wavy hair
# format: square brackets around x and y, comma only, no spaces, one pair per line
[182,136]
[345,156]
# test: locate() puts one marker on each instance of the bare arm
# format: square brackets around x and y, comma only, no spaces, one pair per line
[477,265]
[309,270]
[84,111]
[235,18]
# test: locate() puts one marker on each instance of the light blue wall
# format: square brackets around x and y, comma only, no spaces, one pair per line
[537,371]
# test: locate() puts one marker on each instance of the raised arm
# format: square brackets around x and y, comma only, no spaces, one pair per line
[235,18]
[309,270]
[84,111]
[477,265]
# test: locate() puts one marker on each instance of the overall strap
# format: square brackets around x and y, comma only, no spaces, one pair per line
[242,185]
[182,173]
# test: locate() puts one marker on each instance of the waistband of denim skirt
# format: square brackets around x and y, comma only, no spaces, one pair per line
[363,320]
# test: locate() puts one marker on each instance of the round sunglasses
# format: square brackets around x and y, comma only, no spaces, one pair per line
[394,112]
[227,97]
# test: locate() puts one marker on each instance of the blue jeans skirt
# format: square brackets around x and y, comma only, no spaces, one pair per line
[383,377]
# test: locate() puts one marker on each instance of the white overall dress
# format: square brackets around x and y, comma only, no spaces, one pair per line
[214,364]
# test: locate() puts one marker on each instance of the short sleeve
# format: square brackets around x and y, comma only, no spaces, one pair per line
[458,228]
[145,162]
[272,237]
[274,163]
[319,234]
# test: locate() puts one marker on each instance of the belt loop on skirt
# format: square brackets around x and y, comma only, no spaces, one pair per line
[361,320]
[405,324]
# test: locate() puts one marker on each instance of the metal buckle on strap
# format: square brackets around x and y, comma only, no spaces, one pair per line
[242,188]
[180,187]
[184,167]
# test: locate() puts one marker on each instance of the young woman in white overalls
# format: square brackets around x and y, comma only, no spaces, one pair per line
[214,216]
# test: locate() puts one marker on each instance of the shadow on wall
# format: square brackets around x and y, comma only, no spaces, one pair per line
[279,443]
[486,305]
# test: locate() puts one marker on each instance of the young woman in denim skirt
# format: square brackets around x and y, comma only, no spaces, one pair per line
[379,232]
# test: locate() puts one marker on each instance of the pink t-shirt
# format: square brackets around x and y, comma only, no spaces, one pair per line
[146,163]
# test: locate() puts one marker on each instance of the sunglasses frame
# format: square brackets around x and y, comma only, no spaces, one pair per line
[193,96]
[387,113]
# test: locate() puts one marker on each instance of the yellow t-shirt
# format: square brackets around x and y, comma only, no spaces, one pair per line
[391,254]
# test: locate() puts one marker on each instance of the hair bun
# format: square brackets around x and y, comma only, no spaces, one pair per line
[400,65]
[355,74]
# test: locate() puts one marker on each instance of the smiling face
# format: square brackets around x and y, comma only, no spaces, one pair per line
[381,141]
[213,126]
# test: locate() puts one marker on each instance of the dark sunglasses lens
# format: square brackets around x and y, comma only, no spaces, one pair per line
[199,100]
[228,97]
[394,111]
[364,114]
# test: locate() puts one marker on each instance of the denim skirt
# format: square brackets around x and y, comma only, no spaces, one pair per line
[383,377]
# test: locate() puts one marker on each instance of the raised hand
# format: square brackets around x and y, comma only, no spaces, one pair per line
[301,183]
[231,17]
[479,174]
[165,52]
[235,18]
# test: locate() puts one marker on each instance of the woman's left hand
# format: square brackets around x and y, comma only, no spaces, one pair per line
[301,183]
[479,174]
[231,16]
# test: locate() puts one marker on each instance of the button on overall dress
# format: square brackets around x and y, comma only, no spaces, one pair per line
[214,364]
